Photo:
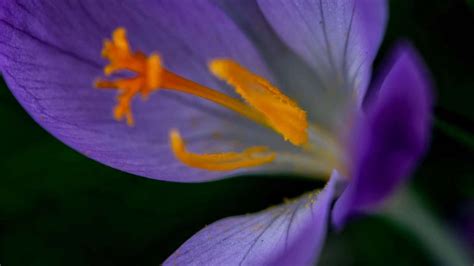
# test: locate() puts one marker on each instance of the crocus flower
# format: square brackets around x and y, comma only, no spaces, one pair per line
[232,87]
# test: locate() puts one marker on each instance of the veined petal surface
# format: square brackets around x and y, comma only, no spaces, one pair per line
[338,38]
[289,234]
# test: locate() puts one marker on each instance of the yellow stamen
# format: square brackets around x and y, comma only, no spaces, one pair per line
[250,157]
[283,114]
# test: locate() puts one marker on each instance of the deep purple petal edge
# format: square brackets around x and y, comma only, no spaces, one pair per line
[392,136]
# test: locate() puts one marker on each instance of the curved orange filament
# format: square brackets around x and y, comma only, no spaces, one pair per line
[175,82]
[250,157]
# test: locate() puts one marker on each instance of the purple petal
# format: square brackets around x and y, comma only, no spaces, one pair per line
[50,55]
[393,136]
[339,38]
[289,234]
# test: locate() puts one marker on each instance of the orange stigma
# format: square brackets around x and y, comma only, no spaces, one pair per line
[263,103]
[148,71]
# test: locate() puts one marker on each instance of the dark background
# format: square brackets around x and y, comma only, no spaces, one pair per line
[59,208]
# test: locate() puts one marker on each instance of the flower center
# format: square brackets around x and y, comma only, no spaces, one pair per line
[263,103]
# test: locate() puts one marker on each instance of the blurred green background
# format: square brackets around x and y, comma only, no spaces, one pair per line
[60,208]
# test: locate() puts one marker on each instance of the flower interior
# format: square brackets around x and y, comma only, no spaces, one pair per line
[262,103]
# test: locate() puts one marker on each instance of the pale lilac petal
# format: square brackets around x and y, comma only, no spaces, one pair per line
[338,38]
[392,137]
[50,55]
[289,234]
